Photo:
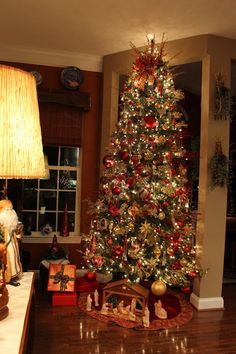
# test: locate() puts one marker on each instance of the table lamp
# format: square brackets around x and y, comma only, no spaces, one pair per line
[21,149]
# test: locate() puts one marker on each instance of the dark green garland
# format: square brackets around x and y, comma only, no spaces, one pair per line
[222,100]
[219,167]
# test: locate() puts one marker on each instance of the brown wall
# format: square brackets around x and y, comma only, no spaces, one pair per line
[35,251]
[90,149]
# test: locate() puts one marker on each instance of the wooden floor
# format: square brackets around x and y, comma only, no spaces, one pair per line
[67,330]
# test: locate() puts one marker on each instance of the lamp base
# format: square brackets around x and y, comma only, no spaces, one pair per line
[4,313]
[4,298]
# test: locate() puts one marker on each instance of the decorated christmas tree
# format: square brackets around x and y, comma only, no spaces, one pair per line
[141,223]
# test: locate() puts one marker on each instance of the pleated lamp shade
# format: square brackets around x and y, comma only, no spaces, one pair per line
[21,149]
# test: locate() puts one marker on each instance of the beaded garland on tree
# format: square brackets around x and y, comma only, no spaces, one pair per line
[141,224]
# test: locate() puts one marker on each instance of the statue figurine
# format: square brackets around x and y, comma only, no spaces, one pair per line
[122,309]
[89,303]
[133,305]
[115,311]
[160,312]
[96,298]
[104,309]
[127,308]
[146,317]
[132,316]
[12,231]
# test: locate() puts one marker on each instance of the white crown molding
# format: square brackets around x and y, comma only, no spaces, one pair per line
[207,303]
[87,62]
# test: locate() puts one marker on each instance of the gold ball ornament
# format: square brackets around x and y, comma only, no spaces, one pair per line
[157,252]
[118,230]
[170,251]
[148,155]
[165,126]
[158,288]
[161,139]
[161,111]
[183,262]
[161,216]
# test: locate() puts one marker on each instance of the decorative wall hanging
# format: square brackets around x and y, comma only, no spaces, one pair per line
[222,99]
[219,167]
[38,77]
[72,78]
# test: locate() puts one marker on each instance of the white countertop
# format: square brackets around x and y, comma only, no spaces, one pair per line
[12,327]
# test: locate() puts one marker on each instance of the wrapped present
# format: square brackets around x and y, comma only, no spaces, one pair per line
[61,277]
[64,299]
[83,286]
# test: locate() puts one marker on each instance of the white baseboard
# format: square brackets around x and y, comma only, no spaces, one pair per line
[207,303]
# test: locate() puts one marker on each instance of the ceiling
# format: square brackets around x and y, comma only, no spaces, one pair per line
[108,26]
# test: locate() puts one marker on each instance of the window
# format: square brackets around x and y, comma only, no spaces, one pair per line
[45,200]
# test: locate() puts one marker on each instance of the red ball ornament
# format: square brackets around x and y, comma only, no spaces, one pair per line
[118,250]
[178,191]
[143,170]
[90,276]
[150,122]
[186,248]
[186,290]
[139,263]
[98,261]
[176,265]
[180,223]
[192,275]
[108,161]
[139,168]
[130,181]
[176,246]
[125,87]
[135,159]
[165,204]
[116,190]
[110,242]
[124,155]
[113,210]
[142,136]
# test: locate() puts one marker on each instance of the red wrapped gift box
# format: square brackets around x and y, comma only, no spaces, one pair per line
[64,299]
[61,277]
[83,286]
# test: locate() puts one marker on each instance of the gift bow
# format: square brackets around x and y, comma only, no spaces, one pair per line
[61,278]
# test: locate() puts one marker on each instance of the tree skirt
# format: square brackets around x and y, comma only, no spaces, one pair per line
[179,312]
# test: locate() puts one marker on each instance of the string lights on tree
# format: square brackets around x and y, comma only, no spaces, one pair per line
[141,224]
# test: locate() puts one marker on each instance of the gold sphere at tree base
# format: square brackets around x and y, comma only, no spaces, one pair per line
[158,288]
